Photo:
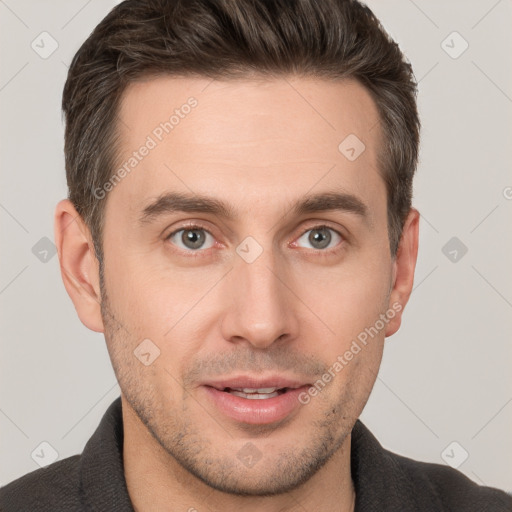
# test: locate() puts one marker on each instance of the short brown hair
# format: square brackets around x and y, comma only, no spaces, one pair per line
[224,39]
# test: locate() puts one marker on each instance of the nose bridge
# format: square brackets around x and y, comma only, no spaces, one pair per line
[262,307]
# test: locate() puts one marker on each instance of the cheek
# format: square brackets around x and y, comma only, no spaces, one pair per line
[350,301]
[171,307]
[348,298]
[145,292]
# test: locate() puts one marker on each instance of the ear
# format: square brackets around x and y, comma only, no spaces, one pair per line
[403,270]
[78,264]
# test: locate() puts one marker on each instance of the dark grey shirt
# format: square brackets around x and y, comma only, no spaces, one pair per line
[384,481]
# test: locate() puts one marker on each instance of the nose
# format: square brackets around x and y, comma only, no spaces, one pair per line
[260,306]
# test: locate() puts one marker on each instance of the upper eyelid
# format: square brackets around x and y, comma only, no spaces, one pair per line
[318,226]
[190,227]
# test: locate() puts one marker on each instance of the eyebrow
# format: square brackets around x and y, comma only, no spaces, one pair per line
[173,202]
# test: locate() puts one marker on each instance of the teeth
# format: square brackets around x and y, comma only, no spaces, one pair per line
[254,396]
[255,390]
[259,390]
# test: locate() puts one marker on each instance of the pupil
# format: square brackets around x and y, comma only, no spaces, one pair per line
[320,238]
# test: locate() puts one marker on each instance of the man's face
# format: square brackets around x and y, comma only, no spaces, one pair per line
[285,302]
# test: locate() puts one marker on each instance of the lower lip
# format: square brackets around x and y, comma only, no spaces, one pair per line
[256,411]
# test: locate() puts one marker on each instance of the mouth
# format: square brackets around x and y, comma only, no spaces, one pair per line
[263,402]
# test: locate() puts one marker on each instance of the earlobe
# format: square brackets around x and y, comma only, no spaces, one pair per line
[78,264]
[403,270]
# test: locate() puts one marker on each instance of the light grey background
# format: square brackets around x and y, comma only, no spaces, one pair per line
[445,376]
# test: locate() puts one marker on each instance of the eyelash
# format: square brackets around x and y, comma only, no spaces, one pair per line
[200,252]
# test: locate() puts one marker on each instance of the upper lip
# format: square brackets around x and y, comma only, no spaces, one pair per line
[253,382]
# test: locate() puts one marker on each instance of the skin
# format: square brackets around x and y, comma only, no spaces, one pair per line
[258,146]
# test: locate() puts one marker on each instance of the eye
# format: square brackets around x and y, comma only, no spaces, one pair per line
[321,237]
[192,238]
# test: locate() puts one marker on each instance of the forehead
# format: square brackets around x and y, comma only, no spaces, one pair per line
[243,109]
[258,134]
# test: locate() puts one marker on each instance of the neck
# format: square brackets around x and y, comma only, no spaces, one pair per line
[156,481]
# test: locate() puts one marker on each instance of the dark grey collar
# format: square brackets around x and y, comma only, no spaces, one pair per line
[102,481]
